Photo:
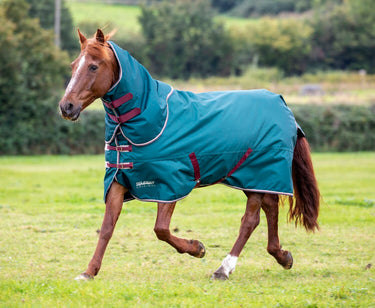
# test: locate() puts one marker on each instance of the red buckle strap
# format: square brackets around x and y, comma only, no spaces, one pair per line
[195,163]
[126,116]
[197,174]
[118,102]
[242,160]
[121,148]
[119,166]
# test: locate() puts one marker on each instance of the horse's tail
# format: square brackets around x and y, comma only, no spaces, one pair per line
[304,207]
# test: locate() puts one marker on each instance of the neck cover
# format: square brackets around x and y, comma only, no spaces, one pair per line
[139,99]
[161,143]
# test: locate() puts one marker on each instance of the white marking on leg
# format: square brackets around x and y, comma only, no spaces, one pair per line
[226,268]
[229,264]
[74,79]
[83,277]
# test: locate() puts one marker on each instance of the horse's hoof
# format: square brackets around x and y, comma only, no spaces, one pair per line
[202,250]
[84,277]
[219,274]
[289,262]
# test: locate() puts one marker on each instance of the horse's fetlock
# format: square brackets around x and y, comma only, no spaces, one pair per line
[273,250]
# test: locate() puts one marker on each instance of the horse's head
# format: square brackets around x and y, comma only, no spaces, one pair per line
[93,73]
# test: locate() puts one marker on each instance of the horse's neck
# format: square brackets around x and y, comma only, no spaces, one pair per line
[129,76]
[115,68]
[136,92]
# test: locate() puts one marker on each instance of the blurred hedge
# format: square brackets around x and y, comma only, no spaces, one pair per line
[328,128]
[50,134]
[85,136]
[334,128]
[339,128]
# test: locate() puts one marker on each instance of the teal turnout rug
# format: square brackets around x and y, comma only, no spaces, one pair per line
[161,143]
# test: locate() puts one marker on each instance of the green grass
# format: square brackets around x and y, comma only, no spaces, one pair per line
[51,207]
[120,16]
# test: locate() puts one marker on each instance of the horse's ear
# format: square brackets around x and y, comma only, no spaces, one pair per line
[100,36]
[110,34]
[82,38]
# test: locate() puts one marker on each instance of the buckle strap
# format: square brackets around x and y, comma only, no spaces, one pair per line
[195,163]
[118,102]
[126,116]
[242,160]
[197,174]
[121,148]
[119,166]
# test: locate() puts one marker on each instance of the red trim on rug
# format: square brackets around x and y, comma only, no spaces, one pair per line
[195,163]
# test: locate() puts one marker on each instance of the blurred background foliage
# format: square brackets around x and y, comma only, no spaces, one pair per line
[184,40]
[32,72]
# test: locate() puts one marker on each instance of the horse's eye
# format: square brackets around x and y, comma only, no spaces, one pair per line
[93,68]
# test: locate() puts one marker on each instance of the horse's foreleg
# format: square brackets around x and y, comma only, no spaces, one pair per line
[163,219]
[248,223]
[114,203]
[270,206]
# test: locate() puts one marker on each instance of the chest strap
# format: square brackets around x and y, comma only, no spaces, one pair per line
[117,103]
[119,166]
[126,116]
[120,148]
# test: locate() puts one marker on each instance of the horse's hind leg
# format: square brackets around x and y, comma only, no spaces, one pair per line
[163,219]
[270,206]
[248,223]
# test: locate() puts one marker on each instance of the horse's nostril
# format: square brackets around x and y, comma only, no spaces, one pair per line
[62,109]
[66,109]
[69,110]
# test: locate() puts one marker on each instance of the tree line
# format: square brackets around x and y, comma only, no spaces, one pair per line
[183,39]
[32,76]
[178,40]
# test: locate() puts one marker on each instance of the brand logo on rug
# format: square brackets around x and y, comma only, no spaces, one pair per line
[143,184]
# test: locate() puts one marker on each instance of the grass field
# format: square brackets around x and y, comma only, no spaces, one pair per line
[51,208]
[119,16]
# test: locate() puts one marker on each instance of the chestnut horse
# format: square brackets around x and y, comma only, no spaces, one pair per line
[94,73]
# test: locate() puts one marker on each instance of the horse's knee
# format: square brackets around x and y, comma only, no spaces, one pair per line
[105,234]
[249,224]
[162,233]
[252,222]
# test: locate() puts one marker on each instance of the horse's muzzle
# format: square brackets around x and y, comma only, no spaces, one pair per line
[69,112]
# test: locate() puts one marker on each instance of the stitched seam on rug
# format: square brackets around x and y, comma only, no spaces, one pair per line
[186,156]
